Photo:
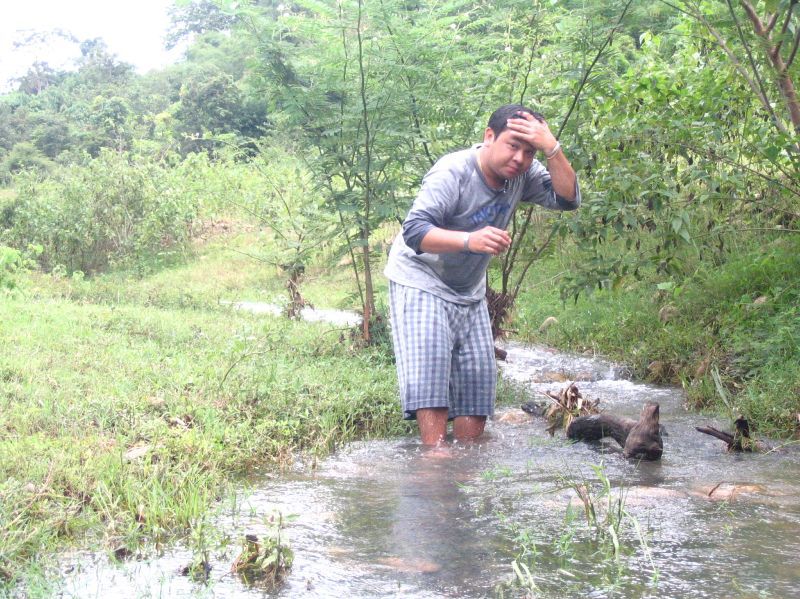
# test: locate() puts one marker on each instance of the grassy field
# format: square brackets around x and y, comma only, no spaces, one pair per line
[129,404]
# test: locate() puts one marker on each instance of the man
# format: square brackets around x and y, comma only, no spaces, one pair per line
[437,268]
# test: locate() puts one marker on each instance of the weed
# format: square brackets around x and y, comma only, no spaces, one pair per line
[199,542]
[497,472]
[266,560]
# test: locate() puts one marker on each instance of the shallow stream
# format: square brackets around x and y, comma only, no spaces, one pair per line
[389,519]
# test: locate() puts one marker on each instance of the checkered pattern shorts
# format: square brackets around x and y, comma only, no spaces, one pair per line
[444,353]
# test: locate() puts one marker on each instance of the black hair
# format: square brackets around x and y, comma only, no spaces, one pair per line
[498,120]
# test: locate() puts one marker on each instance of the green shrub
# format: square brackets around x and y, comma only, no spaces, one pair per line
[116,210]
[11,262]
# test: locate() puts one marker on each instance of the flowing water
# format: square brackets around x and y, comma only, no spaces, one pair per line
[389,519]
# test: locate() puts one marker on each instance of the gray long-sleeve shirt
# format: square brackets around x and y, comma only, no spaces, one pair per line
[454,195]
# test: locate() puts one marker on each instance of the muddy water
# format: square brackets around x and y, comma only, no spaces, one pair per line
[388,519]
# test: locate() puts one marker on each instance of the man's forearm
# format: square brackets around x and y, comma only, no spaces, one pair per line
[487,240]
[443,241]
[562,176]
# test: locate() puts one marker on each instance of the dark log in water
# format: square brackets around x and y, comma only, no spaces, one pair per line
[738,440]
[598,426]
[639,439]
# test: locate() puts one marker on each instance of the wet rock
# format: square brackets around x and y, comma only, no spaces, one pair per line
[726,491]
[512,416]
[410,565]
[584,377]
[550,377]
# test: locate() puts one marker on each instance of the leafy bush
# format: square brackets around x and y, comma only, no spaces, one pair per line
[116,210]
[11,262]
[24,157]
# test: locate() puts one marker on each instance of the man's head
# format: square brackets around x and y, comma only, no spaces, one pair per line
[505,155]
[499,119]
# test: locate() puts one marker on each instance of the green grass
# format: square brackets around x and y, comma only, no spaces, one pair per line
[227,268]
[206,394]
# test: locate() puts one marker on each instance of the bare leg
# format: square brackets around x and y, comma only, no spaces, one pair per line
[432,424]
[468,428]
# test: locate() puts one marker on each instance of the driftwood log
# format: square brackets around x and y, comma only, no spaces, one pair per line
[738,440]
[639,439]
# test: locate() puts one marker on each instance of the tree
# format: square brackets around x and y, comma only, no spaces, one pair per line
[212,104]
[777,29]
[24,156]
[39,77]
[195,18]
[376,90]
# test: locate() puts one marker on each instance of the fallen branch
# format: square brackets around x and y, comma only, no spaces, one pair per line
[738,440]
[640,439]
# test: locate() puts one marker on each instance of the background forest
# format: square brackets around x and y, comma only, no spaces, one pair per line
[294,136]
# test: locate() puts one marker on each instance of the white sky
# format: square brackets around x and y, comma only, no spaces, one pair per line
[134,30]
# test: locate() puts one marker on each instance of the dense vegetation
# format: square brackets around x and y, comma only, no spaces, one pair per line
[293,136]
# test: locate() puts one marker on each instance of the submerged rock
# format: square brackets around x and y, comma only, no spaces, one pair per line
[410,565]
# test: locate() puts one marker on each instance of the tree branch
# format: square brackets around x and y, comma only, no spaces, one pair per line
[739,68]
[591,66]
[784,80]
[773,20]
[786,21]
[793,53]
[759,27]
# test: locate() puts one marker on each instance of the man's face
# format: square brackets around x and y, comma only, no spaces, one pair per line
[506,155]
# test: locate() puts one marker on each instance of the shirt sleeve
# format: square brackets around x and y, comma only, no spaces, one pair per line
[437,197]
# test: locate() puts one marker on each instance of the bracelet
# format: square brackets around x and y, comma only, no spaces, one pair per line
[554,151]
[466,242]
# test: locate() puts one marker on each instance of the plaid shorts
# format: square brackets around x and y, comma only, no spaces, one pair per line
[444,353]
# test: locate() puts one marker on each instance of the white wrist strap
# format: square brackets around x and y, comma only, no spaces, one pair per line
[554,151]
